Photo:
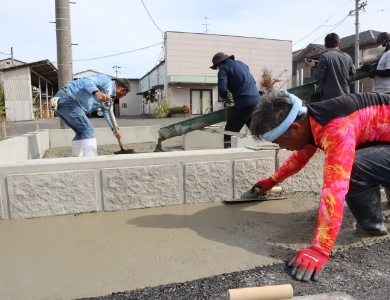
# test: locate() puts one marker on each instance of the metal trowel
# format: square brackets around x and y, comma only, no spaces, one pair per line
[271,194]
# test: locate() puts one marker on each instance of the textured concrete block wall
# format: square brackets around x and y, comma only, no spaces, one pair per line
[38,188]
[309,179]
[49,187]
[207,181]
[51,193]
[141,187]
[249,171]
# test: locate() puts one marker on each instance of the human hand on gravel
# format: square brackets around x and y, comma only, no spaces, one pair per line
[307,261]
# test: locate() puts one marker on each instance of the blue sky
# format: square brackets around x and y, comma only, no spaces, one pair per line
[102,27]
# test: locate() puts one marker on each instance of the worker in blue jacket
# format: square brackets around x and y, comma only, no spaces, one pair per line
[80,97]
[234,76]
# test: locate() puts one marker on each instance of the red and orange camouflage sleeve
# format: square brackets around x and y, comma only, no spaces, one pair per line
[294,163]
[338,140]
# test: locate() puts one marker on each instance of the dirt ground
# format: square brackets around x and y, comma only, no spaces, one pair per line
[110,149]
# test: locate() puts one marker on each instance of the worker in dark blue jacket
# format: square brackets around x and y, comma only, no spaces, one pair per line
[234,76]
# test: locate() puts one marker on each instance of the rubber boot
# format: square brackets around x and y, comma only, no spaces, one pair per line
[367,210]
[387,192]
[77,148]
[89,147]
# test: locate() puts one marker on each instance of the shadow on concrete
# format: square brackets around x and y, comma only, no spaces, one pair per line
[278,235]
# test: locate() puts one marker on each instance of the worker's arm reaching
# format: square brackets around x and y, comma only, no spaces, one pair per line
[375,72]
[321,69]
[338,142]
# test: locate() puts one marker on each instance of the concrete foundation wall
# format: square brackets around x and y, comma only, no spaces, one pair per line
[37,188]
[34,144]
[31,187]
[50,187]
[104,136]
[310,178]
[28,146]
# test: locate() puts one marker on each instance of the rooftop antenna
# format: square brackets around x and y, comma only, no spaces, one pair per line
[206,24]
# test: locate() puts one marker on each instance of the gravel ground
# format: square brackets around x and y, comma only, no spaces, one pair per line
[110,149]
[361,272]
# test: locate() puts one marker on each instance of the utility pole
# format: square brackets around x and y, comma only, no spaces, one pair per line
[357,30]
[12,56]
[64,45]
[116,70]
[205,24]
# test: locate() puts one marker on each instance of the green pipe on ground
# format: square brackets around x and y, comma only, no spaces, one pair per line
[180,128]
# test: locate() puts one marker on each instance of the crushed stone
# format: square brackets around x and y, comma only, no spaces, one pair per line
[110,149]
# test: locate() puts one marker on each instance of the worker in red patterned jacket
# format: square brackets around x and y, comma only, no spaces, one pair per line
[354,132]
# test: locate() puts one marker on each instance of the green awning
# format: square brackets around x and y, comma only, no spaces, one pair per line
[192,79]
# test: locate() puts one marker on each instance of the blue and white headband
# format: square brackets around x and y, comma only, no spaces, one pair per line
[296,110]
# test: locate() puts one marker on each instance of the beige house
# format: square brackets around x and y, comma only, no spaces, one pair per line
[184,76]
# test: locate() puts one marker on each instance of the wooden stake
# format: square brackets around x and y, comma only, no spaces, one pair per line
[4,130]
[36,127]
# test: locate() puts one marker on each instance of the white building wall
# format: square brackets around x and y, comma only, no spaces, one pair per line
[7,63]
[18,94]
[181,96]
[131,104]
[191,54]
[87,73]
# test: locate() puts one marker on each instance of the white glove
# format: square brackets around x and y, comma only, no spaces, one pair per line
[53,103]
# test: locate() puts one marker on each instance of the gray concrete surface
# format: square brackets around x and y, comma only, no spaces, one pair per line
[96,254]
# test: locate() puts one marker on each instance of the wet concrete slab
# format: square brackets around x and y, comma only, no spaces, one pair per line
[86,255]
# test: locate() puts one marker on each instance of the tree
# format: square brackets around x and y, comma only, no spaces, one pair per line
[267,81]
[2,102]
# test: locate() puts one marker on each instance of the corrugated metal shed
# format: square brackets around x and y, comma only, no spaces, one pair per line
[19,83]
[18,94]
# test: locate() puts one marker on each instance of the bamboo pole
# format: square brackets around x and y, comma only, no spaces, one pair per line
[4,130]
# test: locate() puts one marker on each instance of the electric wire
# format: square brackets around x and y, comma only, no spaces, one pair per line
[100,57]
[332,28]
[322,25]
[151,17]
[370,12]
[3,46]
[5,54]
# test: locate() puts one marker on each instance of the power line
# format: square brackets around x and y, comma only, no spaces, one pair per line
[370,12]
[159,56]
[322,25]
[2,46]
[100,57]
[4,53]
[151,17]
[333,28]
